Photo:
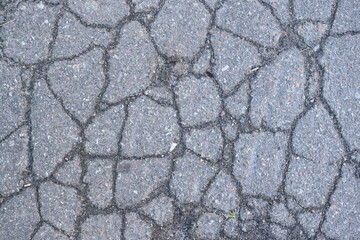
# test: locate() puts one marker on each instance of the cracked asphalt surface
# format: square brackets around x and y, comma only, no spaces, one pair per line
[191,119]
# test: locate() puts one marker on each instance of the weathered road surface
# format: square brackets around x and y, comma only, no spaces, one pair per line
[180,119]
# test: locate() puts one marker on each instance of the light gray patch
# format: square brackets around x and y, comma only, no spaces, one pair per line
[136,229]
[208,226]
[140,179]
[99,179]
[186,185]
[27,36]
[103,134]
[222,194]
[14,161]
[132,63]
[237,103]
[19,216]
[70,172]
[59,205]
[160,209]
[102,227]
[78,82]
[342,219]
[145,5]
[260,158]
[107,12]
[73,37]
[313,9]
[198,100]
[278,91]
[53,132]
[315,139]
[234,58]
[207,142]
[347,16]
[150,129]
[46,232]
[12,100]
[341,88]
[180,27]
[249,19]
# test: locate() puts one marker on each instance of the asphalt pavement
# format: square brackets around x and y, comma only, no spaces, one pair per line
[180,119]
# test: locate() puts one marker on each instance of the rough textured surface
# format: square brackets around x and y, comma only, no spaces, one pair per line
[19,216]
[319,149]
[99,179]
[132,63]
[28,32]
[12,100]
[73,38]
[145,5]
[102,227]
[65,76]
[138,178]
[208,143]
[312,33]
[103,134]
[60,205]
[100,12]
[46,232]
[313,9]
[249,19]
[234,58]
[342,220]
[136,228]
[237,103]
[280,214]
[260,158]
[184,184]
[346,18]
[53,132]
[177,120]
[161,209]
[70,172]
[208,226]
[180,27]
[341,86]
[14,161]
[222,193]
[203,95]
[150,130]
[280,8]
[278,92]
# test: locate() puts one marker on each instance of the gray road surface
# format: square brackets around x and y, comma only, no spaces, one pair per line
[180,119]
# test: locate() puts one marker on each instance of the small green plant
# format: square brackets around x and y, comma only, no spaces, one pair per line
[231,214]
